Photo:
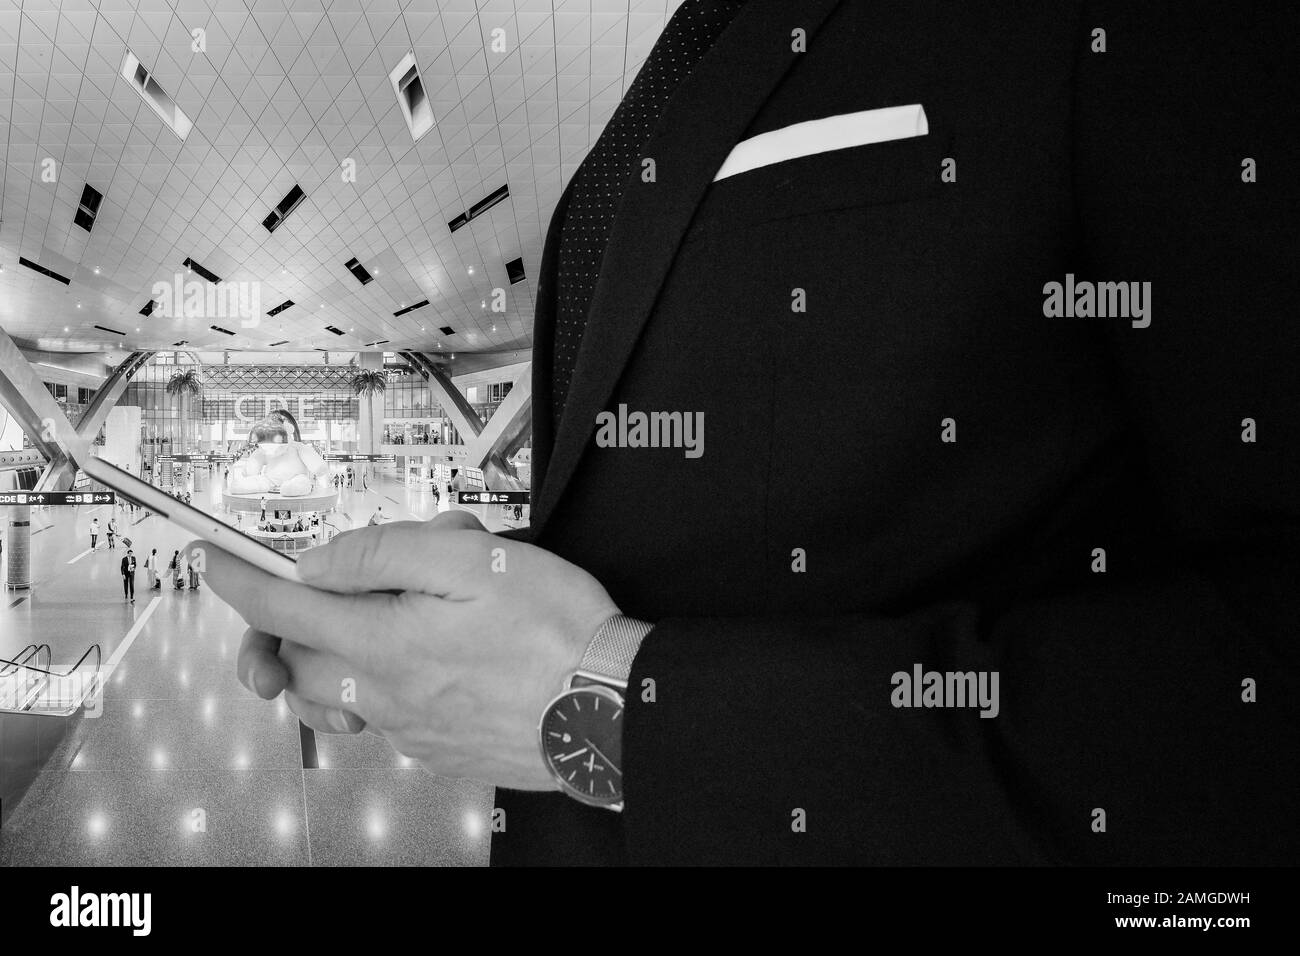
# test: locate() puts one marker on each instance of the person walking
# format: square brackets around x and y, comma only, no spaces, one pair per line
[112,533]
[128,576]
[174,570]
[151,570]
[94,533]
[193,573]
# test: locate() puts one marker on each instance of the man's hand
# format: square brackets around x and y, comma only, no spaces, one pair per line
[454,670]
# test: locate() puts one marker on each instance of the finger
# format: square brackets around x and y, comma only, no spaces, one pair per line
[297,612]
[259,666]
[324,720]
[456,520]
[332,682]
[402,556]
[368,528]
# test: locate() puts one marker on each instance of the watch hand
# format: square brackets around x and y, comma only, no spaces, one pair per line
[576,753]
[612,766]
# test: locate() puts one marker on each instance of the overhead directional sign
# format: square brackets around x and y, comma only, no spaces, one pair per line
[493,497]
[389,459]
[58,497]
[192,458]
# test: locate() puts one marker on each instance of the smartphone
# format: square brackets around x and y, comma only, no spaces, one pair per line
[192,519]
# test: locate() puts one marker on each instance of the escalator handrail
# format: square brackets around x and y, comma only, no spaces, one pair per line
[31,650]
[99,657]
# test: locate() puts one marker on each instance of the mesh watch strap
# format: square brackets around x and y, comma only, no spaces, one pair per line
[612,650]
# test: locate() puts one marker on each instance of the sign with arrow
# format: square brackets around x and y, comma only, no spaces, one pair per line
[493,497]
[58,498]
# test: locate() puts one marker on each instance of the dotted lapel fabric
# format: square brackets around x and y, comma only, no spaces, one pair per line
[599,184]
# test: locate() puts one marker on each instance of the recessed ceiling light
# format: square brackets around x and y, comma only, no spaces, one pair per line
[135,73]
[88,207]
[288,204]
[411,96]
[96,270]
[471,270]
[498,195]
[65,328]
[78,305]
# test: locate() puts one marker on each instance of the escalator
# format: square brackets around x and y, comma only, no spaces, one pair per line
[38,703]
[29,685]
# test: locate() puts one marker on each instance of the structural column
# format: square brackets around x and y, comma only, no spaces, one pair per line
[18,547]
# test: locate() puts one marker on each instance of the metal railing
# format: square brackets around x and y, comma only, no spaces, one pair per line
[29,685]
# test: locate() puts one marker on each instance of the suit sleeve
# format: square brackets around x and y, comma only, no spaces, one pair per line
[1149,718]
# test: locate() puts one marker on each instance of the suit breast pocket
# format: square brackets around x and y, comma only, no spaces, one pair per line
[873,174]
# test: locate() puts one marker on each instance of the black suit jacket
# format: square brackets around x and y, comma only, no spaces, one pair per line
[128,566]
[1120,690]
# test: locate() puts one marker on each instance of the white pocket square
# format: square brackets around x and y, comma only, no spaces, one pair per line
[825,135]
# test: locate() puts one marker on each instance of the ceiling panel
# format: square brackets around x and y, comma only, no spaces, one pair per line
[285,92]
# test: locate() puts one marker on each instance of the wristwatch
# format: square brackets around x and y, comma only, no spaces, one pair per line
[581,730]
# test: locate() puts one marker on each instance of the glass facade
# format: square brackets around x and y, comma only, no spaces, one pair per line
[233,399]
[408,396]
[320,397]
[412,416]
[73,400]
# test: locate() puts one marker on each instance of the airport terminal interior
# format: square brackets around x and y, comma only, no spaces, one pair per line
[278,258]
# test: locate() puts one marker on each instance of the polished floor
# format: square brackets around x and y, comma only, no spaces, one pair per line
[179,764]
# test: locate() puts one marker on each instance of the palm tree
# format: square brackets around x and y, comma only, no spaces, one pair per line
[185,386]
[368,383]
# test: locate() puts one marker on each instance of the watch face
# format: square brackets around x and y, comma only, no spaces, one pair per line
[582,735]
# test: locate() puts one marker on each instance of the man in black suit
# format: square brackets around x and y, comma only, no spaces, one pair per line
[128,576]
[991,553]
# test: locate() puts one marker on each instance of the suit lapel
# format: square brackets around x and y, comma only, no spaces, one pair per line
[705,118]
[543,343]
